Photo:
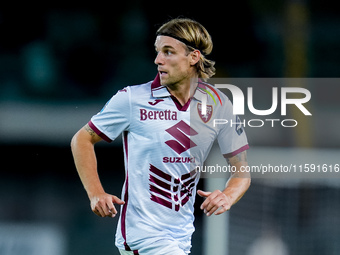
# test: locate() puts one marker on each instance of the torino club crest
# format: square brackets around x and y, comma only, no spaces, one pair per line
[205,115]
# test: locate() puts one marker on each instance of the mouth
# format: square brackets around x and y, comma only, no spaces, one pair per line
[163,73]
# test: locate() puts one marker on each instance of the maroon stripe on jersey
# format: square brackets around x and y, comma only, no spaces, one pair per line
[161,201]
[98,132]
[127,248]
[232,154]
[159,191]
[158,172]
[188,175]
[185,200]
[189,184]
[126,193]
[188,181]
[159,182]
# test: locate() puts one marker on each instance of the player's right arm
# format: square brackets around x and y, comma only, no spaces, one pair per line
[82,146]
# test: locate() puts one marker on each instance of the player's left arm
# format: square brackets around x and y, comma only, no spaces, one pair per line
[219,201]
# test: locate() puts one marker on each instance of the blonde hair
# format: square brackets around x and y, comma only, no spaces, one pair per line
[195,36]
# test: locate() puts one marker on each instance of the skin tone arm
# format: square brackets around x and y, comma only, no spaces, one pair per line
[82,145]
[218,202]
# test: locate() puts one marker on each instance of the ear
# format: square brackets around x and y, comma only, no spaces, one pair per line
[195,57]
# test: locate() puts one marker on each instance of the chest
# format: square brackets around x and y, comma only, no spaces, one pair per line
[160,122]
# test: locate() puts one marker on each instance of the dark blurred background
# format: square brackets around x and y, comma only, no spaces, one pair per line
[58,67]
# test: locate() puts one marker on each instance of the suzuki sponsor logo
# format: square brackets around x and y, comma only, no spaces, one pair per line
[181,132]
[178,160]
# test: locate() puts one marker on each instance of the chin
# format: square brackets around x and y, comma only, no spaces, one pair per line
[164,82]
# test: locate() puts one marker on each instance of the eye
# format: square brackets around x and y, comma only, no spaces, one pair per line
[168,52]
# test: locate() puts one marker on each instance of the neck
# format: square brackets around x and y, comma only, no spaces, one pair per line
[183,90]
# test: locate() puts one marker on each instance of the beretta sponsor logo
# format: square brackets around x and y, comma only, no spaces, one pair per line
[157,115]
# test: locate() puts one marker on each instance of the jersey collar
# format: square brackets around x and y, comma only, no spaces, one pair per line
[157,90]
[200,92]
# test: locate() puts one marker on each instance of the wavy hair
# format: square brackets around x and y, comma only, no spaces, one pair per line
[195,36]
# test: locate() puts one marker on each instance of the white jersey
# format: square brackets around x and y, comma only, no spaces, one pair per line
[163,143]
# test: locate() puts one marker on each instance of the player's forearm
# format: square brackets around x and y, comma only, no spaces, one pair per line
[239,181]
[236,187]
[86,164]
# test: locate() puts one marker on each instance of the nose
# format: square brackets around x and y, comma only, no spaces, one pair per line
[159,59]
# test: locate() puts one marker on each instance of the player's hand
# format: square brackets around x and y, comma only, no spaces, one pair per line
[216,202]
[103,205]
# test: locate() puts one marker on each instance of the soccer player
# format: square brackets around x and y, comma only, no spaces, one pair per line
[167,132]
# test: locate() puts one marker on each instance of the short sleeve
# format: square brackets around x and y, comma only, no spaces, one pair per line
[231,138]
[114,118]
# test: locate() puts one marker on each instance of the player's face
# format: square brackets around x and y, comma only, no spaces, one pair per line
[175,65]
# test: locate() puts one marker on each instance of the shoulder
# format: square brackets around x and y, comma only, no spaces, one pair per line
[140,88]
[214,94]
[132,91]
